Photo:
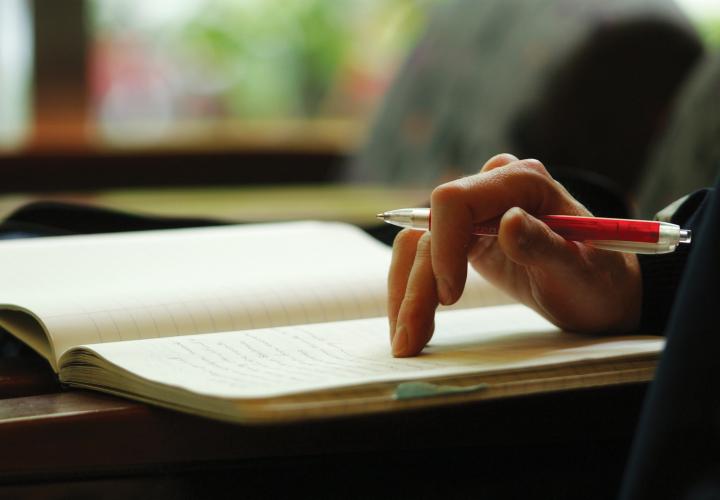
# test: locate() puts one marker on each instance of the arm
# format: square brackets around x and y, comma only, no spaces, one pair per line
[577,287]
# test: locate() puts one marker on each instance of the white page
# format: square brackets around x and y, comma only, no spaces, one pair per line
[126,286]
[286,360]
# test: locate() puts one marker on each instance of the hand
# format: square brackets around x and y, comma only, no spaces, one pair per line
[577,287]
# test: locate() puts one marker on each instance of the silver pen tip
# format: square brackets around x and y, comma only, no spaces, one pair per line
[381,216]
[685,236]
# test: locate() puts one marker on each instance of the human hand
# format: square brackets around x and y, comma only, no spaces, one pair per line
[577,287]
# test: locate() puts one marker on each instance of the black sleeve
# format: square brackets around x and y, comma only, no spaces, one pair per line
[661,274]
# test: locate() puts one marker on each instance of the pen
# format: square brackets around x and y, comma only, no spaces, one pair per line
[620,235]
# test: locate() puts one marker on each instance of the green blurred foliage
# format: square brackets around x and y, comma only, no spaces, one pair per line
[710,31]
[275,54]
[266,58]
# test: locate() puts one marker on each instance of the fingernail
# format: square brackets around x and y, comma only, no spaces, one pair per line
[400,341]
[525,228]
[445,293]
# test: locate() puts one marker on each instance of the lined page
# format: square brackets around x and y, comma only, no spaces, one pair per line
[127,286]
[287,360]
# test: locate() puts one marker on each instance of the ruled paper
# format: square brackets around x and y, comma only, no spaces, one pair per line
[126,286]
[292,359]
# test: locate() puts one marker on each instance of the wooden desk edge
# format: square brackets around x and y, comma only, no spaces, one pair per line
[82,433]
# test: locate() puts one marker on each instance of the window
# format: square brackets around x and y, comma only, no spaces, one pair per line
[15,69]
[706,16]
[237,69]
[204,72]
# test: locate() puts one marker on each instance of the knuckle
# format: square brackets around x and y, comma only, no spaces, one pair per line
[423,246]
[447,193]
[532,168]
[535,163]
[497,161]
[533,173]
[417,306]
[395,295]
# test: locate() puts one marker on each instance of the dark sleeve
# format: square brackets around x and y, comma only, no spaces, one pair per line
[661,273]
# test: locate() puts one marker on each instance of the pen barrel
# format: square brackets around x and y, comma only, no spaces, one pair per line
[590,228]
[621,235]
[596,228]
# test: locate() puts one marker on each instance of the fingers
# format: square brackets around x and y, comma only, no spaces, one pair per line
[452,223]
[457,205]
[423,274]
[498,161]
[569,281]
[529,242]
[403,256]
[415,319]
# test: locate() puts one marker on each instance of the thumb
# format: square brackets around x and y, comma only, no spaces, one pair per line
[529,242]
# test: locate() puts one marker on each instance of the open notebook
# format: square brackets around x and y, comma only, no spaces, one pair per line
[259,322]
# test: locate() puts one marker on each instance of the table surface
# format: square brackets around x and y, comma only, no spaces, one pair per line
[356,204]
[57,441]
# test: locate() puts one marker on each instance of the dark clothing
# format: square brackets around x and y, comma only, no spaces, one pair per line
[661,273]
[676,453]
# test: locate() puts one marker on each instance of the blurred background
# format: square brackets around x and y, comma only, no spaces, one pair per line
[254,76]
[108,93]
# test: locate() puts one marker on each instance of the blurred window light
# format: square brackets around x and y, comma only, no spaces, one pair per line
[168,66]
[706,15]
[15,72]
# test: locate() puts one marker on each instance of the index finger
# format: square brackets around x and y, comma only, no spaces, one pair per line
[457,205]
[403,257]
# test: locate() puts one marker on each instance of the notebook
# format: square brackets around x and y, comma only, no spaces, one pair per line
[273,322]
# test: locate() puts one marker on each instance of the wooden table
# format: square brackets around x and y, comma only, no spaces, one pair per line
[75,444]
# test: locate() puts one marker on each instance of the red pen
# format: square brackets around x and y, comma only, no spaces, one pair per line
[620,235]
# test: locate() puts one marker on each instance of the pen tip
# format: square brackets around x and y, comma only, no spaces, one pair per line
[380,216]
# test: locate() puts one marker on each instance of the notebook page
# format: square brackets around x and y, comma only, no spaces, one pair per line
[101,288]
[286,360]
[114,287]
